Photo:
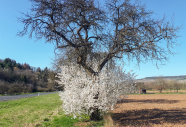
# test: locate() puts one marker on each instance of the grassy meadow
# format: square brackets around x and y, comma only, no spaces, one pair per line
[40,111]
[29,112]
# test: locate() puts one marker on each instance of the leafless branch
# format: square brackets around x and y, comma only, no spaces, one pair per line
[83,30]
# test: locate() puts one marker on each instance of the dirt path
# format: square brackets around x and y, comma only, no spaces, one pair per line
[7,98]
[156,110]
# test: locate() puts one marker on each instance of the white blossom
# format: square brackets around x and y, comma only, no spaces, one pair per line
[81,90]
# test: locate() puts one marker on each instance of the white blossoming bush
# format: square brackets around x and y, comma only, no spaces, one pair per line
[83,94]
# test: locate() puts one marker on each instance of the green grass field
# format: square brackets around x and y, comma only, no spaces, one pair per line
[40,111]
[29,111]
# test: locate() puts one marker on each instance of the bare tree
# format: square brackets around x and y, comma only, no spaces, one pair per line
[161,84]
[176,85]
[140,86]
[85,31]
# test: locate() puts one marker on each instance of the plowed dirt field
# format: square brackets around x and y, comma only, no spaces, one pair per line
[151,110]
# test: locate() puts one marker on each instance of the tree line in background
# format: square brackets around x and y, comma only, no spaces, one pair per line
[161,85]
[16,78]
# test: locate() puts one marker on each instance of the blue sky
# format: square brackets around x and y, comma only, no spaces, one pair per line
[37,53]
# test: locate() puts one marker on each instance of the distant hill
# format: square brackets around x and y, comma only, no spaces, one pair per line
[178,78]
[16,78]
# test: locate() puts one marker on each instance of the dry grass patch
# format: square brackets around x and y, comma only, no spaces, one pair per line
[82,124]
[108,121]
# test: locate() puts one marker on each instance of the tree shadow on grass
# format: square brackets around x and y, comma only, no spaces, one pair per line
[157,101]
[148,117]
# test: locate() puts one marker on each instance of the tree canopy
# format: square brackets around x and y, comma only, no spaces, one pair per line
[86,31]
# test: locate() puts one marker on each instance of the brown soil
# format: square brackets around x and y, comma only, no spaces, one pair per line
[152,110]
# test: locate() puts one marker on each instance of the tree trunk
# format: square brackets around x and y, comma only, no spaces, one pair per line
[96,115]
[160,90]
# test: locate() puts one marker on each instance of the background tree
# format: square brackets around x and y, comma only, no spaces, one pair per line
[140,86]
[161,84]
[16,78]
[170,84]
[85,31]
[177,86]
